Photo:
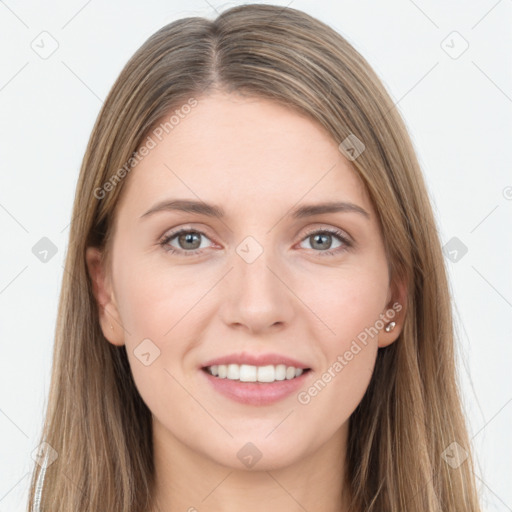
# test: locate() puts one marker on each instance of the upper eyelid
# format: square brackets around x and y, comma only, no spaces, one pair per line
[330,230]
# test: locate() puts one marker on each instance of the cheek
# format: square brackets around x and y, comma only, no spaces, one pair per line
[349,304]
[154,301]
[347,301]
[335,392]
[155,306]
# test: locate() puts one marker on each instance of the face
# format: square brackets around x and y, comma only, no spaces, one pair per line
[249,282]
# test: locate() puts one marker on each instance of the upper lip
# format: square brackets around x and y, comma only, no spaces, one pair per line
[256,360]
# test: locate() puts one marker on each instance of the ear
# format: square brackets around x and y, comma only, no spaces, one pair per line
[110,320]
[394,312]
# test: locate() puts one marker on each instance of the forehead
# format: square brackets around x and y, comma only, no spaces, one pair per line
[244,151]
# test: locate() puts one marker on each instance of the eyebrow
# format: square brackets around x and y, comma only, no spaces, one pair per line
[211,210]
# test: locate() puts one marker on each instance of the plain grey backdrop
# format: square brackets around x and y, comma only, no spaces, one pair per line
[446,65]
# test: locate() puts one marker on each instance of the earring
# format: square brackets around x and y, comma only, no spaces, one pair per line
[111,327]
[390,326]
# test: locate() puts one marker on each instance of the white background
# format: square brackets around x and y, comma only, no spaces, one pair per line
[458,112]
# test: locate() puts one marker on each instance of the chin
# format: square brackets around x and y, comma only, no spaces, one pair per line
[255,453]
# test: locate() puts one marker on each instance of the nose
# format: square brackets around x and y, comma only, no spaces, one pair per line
[257,295]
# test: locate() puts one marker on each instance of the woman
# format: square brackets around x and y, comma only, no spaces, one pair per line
[256,368]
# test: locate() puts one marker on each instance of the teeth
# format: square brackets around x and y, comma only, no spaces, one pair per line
[233,372]
[249,373]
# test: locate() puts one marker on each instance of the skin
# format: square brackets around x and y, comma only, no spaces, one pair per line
[258,160]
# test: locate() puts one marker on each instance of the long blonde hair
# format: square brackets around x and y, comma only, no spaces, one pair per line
[411,415]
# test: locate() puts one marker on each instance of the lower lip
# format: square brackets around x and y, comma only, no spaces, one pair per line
[256,393]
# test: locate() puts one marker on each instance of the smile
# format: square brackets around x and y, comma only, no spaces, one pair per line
[250,373]
[264,385]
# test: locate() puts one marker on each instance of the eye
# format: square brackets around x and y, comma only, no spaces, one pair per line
[322,239]
[189,242]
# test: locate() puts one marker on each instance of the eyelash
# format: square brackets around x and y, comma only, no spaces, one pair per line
[339,234]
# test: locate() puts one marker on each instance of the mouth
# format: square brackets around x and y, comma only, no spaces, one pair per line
[256,374]
[255,385]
